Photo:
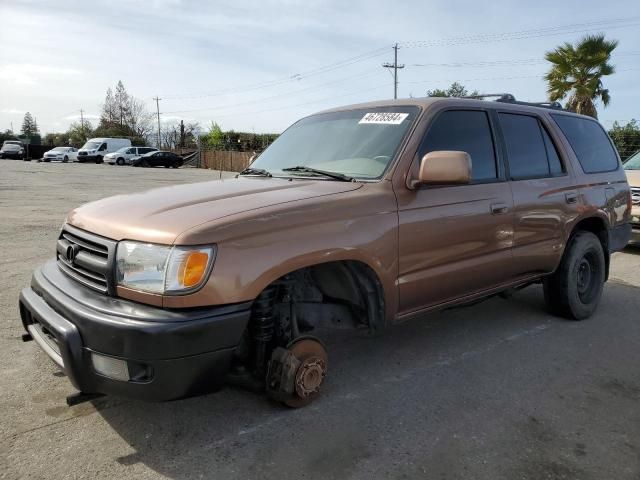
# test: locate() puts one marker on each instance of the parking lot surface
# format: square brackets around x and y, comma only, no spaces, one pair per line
[496,390]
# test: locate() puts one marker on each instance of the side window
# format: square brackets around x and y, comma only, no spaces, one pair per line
[589,142]
[103,147]
[466,131]
[528,152]
[555,165]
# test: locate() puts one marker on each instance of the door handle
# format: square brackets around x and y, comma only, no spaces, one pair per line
[499,208]
[571,197]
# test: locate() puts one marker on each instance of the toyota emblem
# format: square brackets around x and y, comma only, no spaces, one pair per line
[72,251]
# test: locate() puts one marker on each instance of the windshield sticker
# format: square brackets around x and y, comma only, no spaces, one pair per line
[386,118]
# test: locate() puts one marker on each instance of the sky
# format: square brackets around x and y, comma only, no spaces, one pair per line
[261,65]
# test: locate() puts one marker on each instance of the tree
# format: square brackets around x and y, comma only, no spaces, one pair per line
[455,90]
[121,100]
[626,138]
[215,137]
[109,109]
[29,126]
[577,72]
[123,115]
[7,135]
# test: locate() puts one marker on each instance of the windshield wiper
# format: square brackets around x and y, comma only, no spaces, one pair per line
[256,171]
[336,175]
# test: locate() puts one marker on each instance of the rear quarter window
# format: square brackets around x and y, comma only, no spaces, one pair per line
[589,142]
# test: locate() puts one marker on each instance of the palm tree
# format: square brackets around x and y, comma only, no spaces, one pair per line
[577,71]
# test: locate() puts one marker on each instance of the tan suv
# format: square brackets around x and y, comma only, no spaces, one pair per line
[357,217]
[632,169]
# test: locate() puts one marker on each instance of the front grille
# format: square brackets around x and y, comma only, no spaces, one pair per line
[635,195]
[82,153]
[87,258]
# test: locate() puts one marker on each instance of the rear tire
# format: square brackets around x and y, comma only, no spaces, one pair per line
[574,290]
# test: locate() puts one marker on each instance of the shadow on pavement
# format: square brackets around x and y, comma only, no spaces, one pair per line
[385,395]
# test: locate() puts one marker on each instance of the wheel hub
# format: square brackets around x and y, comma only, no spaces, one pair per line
[584,275]
[309,376]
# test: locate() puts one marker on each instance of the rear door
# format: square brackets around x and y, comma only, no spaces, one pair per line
[546,199]
[455,241]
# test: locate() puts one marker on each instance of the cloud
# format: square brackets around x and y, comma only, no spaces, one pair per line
[13,111]
[30,74]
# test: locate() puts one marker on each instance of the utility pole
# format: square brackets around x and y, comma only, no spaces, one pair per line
[158,112]
[395,67]
[82,124]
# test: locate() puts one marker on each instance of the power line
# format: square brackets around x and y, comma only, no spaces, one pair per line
[522,34]
[499,63]
[283,80]
[272,97]
[286,107]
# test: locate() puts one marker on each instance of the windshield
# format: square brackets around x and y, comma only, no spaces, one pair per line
[123,149]
[11,142]
[633,163]
[59,149]
[357,143]
[91,145]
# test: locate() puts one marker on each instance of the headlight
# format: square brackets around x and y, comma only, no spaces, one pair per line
[163,269]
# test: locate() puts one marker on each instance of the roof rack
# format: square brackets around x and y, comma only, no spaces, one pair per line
[509,98]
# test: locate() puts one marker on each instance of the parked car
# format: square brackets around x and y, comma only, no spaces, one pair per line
[126,154]
[96,148]
[62,154]
[12,149]
[158,159]
[632,169]
[358,217]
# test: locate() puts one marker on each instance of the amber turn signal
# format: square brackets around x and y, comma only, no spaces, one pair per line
[193,268]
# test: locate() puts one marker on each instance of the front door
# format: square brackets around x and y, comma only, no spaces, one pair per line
[456,240]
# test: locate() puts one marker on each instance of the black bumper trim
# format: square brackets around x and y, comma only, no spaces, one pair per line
[188,351]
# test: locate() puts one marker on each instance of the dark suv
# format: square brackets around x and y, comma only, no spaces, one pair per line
[357,217]
[158,159]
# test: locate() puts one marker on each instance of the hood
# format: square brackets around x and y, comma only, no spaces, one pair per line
[11,147]
[160,215]
[633,177]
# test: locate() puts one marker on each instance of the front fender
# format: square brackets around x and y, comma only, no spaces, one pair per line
[253,252]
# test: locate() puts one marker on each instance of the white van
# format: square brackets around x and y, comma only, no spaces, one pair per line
[96,148]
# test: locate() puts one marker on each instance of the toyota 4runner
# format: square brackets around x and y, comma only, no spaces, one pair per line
[360,217]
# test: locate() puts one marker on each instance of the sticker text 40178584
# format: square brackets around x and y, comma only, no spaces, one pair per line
[388,118]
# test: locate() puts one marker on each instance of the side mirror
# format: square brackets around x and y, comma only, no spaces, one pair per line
[444,167]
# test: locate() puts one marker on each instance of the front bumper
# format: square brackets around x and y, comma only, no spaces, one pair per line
[176,353]
[14,155]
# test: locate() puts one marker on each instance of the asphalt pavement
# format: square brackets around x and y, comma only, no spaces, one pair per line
[499,390]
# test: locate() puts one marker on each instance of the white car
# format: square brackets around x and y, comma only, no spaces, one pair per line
[125,155]
[61,154]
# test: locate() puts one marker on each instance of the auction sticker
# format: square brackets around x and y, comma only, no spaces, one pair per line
[386,118]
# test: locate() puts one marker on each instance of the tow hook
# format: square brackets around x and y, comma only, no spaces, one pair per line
[295,373]
[81,397]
